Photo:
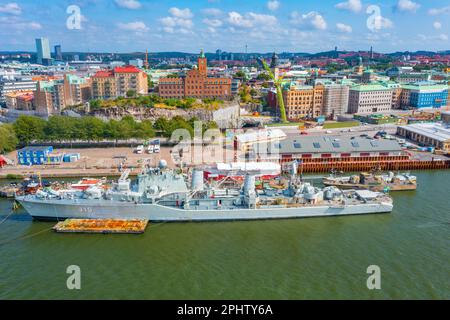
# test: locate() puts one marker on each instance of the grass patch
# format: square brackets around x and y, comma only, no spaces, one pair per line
[287,124]
[11,176]
[346,124]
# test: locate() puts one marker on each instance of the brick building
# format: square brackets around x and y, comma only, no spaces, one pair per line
[196,84]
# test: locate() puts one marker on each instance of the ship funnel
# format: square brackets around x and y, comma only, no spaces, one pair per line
[197,180]
[294,168]
[249,184]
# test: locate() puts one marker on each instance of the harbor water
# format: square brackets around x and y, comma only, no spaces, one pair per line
[316,258]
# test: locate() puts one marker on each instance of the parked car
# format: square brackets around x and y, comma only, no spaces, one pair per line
[139,149]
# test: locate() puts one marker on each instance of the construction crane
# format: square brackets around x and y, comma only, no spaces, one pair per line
[277,83]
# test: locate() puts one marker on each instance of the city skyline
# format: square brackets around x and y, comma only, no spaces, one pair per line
[264,26]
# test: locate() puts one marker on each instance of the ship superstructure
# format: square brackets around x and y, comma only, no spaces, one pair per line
[161,194]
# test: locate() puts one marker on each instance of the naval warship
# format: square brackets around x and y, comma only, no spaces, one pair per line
[161,194]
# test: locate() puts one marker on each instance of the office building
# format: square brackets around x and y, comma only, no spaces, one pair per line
[58,53]
[16,84]
[370,98]
[424,95]
[42,51]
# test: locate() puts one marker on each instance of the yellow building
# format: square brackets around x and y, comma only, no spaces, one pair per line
[303,101]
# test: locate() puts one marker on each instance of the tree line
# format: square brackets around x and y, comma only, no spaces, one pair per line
[27,129]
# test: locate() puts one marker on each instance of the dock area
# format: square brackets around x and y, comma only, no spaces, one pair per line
[352,166]
[104,226]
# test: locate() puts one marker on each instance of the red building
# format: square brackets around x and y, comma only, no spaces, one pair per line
[196,84]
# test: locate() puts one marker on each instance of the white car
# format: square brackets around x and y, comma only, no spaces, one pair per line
[150,149]
[139,149]
[329,131]
[156,148]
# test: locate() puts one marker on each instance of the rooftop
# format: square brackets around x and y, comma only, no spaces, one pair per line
[127,69]
[261,135]
[103,74]
[435,131]
[320,144]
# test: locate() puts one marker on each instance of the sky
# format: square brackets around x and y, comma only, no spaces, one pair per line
[263,25]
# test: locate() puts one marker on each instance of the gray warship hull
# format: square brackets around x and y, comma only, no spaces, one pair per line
[104,209]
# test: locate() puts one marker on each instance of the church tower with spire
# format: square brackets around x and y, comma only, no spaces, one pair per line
[202,64]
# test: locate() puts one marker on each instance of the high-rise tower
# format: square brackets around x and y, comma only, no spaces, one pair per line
[42,50]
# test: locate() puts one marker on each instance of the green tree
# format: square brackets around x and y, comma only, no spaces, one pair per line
[59,128]
[29,128]
[144,130]
[240,74]
[112,130]
[263,76]
[93,128]
[8,138]
[131,93]
[95,104]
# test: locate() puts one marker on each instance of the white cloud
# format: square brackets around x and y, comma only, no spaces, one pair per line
[129,4]
[250,20]
[273,5]
[351,5]
[440,37]
[181,13]
[437,25]
[407,5]
[344,28]
[213,22]
[212,12]
[33,25]
[11,8]
[312,19]
[18,24]
[437,11]
[179,21]
[137,26]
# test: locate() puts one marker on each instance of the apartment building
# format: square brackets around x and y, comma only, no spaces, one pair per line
[109,84]
[55,95]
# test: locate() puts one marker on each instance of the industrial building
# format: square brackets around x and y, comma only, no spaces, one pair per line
[427,134]
[320,148]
